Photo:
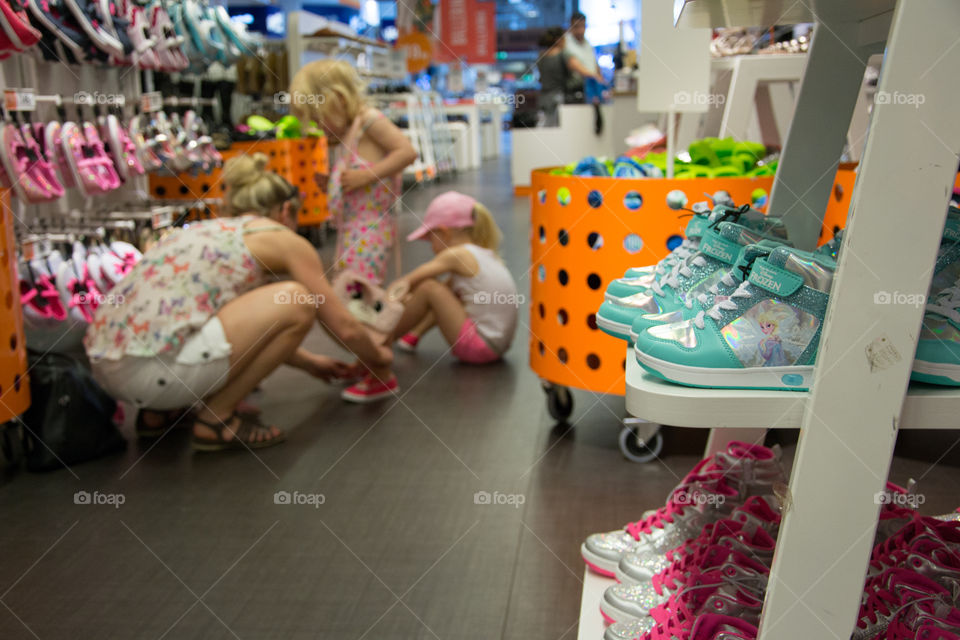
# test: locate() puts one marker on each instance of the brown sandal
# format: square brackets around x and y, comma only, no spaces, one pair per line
[249,425]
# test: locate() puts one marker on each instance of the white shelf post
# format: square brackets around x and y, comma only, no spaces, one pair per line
[897,213]
[828,94]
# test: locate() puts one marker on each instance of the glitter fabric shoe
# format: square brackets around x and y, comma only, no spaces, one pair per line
[755,467]
[886,594]
[756,513]
[713,592]
[719,249]
[925,620]
[764,336]
[743,532]
[623,602]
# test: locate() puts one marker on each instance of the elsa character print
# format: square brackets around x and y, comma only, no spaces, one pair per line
[771,347]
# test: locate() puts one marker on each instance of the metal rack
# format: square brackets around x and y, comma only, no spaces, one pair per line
[860,397]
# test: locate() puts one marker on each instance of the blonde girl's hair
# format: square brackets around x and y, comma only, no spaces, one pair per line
[322,86]
[484,232]
[251,188]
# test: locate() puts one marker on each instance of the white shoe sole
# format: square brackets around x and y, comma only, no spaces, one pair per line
[351,397]
[598,562]
[939,369]
[622,330]
[796,378]
[403,346]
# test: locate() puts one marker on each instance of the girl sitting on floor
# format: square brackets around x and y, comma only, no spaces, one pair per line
[476,310]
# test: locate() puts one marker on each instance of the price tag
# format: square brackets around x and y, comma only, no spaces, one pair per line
[19,100]
[151,102]
[161,219]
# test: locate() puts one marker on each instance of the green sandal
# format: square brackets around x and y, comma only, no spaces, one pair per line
[249,425]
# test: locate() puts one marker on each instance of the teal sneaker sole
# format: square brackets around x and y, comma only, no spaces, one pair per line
[760,378]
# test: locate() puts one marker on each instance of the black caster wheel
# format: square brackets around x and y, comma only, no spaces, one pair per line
[638,447]
[559,402]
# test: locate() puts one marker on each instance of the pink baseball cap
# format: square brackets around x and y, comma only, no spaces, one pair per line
[452,210]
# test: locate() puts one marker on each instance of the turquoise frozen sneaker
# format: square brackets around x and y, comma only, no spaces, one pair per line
[938,350]
[764,336]
[719,248]
[706,293]
[639,279]
[937,360]
[719,287]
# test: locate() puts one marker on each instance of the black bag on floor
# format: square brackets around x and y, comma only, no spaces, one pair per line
[70,419]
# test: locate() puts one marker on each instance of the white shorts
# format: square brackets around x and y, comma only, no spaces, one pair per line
[169,381]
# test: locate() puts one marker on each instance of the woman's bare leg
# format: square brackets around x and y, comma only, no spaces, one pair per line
[264,327]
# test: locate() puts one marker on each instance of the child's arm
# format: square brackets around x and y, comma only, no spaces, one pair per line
[456,259]
[398,153]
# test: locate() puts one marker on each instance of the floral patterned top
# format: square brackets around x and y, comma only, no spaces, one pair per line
[178,285]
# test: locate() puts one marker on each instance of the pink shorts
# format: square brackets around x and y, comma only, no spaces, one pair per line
[470,346]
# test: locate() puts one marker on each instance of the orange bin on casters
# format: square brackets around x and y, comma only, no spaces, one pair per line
[586,231]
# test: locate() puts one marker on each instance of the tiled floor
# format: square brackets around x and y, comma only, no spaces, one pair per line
[397,549]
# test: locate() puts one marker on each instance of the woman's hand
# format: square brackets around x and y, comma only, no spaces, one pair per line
[355,178]
[325,368]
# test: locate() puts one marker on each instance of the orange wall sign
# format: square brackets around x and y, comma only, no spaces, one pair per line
[419,50]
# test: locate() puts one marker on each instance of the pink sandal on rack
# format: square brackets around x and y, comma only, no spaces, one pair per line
[122,149]
[93,171]
[40,164]
[52,147]
[148,158]
[28,183]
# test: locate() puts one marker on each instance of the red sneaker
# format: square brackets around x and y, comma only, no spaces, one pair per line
[408,342]
[370,389]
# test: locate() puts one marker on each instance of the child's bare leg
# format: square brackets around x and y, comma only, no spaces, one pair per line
[429,322]
[433,297]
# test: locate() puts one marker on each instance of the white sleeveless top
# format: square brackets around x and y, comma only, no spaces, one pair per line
[489,298]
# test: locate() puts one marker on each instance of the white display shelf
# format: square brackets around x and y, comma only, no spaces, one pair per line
[591,622]
[654,400]
[763,13]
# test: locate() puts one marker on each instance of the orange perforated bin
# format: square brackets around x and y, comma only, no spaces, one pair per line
[14,384]
[296,160]
[589,230]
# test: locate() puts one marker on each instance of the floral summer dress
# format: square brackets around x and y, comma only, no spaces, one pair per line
[178,285]
[365,217]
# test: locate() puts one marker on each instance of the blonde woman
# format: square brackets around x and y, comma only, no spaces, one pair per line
[199,325]
[364,182]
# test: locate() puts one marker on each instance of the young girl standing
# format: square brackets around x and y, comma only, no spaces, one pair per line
[477,309]
[365,178]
